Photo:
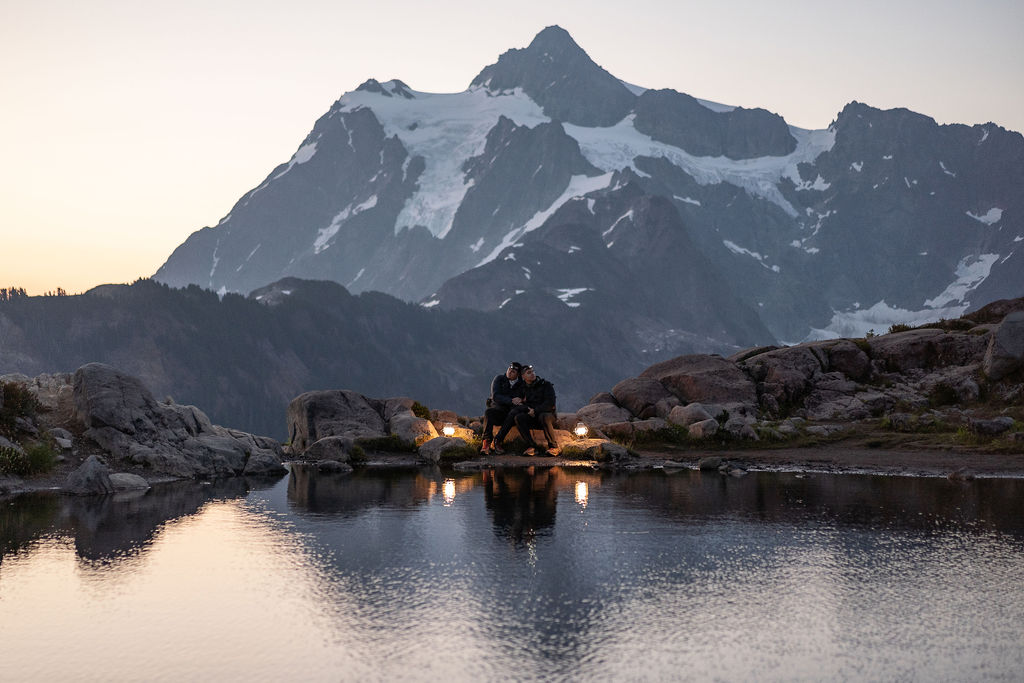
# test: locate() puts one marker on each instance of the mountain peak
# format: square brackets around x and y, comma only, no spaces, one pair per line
[559,76]
[554,37]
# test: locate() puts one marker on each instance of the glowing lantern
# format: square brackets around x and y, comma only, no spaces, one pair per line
[449,429]
[581,430]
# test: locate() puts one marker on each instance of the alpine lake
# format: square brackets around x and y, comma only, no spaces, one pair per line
[518,574]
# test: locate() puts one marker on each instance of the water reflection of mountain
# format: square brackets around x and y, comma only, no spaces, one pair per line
[109,527]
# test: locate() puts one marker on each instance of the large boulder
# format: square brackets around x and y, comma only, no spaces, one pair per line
[91,478]
[640,395]
[121,415]
[785,375]
[125,481]
[703,429]
[411,429]
[846,357]
[338,448]
[707,378]
[597,415]
[316,414]
[688,415]
[1005,352]
[433,450]
[926,348]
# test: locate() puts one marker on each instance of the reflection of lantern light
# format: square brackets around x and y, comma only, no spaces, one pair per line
[449,429]
[449,491]
[582,492]
[581,429]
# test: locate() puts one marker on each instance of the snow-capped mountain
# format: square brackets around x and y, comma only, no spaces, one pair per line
[550,184]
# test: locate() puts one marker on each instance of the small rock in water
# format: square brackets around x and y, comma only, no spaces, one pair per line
[710,463]
[961,474]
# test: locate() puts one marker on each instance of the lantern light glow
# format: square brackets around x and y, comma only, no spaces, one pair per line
[581,429]
[448,429]
[582,493]
[448,491]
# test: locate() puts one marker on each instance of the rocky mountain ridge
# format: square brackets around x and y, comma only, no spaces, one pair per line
[885,217]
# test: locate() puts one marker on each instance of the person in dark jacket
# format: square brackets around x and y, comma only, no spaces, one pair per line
[539,399]
[506,395]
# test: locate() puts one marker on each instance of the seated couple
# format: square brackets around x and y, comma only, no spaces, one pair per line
[520,399]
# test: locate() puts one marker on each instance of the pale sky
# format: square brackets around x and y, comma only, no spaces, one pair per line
[126,125]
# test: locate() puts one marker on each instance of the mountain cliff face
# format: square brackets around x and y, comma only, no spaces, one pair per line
[687,226]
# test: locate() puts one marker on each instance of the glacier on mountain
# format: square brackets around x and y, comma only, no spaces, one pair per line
[447,130]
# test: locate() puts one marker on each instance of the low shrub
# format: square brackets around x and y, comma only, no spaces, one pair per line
[420,410]
[18,402]
[38,458]
[467,452]
[357,456]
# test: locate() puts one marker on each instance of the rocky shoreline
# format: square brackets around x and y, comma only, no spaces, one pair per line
[942,400]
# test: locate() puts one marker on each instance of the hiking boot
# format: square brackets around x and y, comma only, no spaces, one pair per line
[497,449]
[485,447]
[530,452]
[551,451]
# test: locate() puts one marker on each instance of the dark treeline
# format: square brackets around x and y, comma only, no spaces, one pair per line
[14,293]
[242,361]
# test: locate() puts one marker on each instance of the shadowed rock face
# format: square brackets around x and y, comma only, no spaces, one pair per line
[1005,352]
[703,378]
[558,75]
[318,414]
[682,121]
[121,415]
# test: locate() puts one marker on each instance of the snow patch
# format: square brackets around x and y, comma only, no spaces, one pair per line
[301,156]
[946,170]
[989,218]
[579,185]
[216,260]
[475,247]
[358,275]
[325,234]
[450,129]
[431,303]
[878,319]
[617,147]
[736,249]
[970,272]
[819,184]
[628,214]
[688,200]
[857,166]
[566,294]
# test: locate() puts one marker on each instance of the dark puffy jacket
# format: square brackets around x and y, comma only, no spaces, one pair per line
[540,396]
[502,391]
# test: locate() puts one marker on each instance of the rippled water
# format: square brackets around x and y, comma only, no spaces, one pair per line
[553,574]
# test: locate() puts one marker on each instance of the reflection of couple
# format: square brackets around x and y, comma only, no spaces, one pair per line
[522,502]
[520,399]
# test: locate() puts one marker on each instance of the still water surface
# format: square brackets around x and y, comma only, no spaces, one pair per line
[551,574]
